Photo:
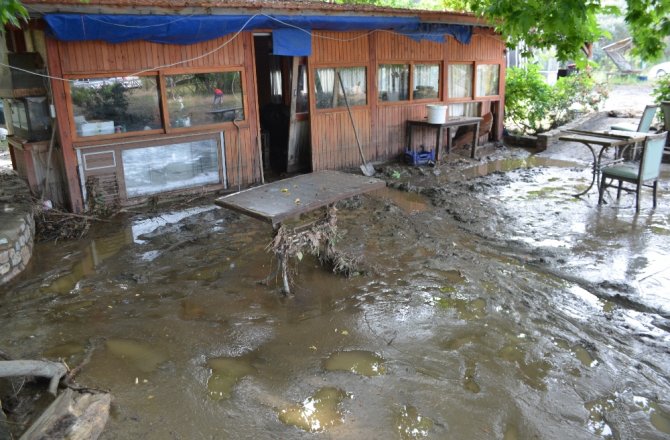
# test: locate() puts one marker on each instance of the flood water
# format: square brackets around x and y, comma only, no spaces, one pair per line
[495,307]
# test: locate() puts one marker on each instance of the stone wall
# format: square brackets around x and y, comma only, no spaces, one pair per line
[17,226]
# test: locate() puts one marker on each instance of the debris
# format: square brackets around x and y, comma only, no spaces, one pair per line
[317,239]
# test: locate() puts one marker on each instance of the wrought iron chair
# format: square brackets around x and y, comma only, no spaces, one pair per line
[647,170]
[645,122]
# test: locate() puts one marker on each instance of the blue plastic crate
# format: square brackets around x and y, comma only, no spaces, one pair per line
[419,157]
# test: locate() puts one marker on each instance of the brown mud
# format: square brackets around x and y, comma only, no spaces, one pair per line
[497,306]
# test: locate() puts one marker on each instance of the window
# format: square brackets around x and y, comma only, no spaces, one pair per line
[204,98]
[392,82]
[115,105]
[464,109]
[460,81]
[426,84]
[329,90]
[488,76]
[157,169]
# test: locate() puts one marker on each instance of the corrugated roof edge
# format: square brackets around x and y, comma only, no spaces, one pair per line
[215,7]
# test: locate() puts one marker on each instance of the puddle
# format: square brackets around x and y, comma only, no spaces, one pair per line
[659,419]
[409,202]
[597,422]
[469,382]
[226,372]
[505,165]
[360,362]
[93,256]
[141,355]
[316,413]
[458,342]
[467,309]
[64,351]
[411,424]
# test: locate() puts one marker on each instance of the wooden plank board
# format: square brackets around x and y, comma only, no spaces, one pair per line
[283,199]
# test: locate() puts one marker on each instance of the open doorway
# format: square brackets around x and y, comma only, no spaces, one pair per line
[284,110]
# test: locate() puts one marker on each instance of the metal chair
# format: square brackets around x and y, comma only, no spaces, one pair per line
[645,122]
[647,170]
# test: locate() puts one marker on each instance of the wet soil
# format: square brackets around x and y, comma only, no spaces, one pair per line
[497,306]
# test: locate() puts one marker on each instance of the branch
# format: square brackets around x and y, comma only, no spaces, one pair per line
[53,370]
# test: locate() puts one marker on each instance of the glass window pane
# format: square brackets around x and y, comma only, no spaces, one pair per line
[464,109]
[329,91]
[115,105]
[204,98]
[426,81]
[164,168]
[487,79]
[460,81]
[393,82]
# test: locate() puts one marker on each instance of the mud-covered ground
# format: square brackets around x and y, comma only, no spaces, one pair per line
[494,305]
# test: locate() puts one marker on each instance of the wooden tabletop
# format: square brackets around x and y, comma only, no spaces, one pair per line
[283,199]
[454,120]
[605,138]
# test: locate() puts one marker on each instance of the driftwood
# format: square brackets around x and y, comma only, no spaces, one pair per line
[72,416]
[53,370]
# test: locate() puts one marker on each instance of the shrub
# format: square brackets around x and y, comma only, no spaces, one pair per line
[661,92]
[533,106]
[528,99]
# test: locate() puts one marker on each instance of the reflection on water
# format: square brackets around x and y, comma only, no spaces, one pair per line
[315,413]
[139,355]
[360,362]
[411,424]
[409,202]
[226,372]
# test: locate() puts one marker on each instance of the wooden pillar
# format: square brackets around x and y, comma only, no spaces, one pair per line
[74,194]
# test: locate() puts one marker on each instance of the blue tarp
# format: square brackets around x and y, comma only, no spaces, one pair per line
[291,42]
[173,29]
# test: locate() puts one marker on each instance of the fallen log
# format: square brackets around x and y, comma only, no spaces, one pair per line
[53,370]
[72,416]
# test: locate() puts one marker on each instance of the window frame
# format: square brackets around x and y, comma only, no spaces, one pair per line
[410,86]
[161,85]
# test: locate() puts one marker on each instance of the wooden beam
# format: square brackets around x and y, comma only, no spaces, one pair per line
[64,128]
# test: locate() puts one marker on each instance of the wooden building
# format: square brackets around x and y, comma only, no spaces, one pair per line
[146,98]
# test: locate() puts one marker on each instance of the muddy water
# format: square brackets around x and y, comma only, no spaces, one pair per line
[497,307]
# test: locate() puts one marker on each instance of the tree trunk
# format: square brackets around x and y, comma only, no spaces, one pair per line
[72,416]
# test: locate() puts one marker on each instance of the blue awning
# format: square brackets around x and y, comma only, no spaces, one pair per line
[173,29]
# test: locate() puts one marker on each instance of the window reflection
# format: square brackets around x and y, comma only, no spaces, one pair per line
[393,82]
[329,91]
[158,169]
[204,98]
[115,105]
[460,81]
[487,79]
[426,81]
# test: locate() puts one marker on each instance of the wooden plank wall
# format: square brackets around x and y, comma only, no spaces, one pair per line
[382,126]
[332,138]
[96,58]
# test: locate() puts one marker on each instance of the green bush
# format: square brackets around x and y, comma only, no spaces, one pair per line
[528,99]
[661,92]
[533,106]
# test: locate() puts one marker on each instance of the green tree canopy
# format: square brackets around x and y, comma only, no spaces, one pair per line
[566,25]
